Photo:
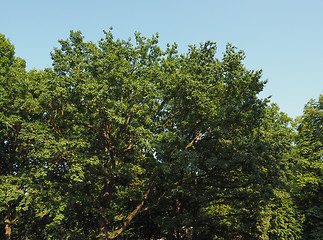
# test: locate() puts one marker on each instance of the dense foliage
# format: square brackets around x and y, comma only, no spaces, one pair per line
[125,140]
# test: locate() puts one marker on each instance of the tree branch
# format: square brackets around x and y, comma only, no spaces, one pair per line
[116,233]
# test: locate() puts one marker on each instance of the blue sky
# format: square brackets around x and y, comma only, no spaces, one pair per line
[282,37]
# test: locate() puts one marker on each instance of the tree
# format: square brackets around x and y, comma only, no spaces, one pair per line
[309,191]
[123,123]
[98,106]
[13,179]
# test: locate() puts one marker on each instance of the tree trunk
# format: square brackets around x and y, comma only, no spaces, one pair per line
[107,196]
[8,226]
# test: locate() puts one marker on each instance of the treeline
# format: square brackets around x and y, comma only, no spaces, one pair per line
[123,140]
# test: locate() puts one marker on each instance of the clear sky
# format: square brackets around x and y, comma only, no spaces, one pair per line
[282,37]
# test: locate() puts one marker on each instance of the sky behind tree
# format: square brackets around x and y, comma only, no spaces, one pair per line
[284,38]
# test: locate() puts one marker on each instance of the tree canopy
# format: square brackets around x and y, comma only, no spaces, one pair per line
[123,140]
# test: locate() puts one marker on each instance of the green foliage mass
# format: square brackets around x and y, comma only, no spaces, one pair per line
[7,52]
[122,140]
[309,183]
